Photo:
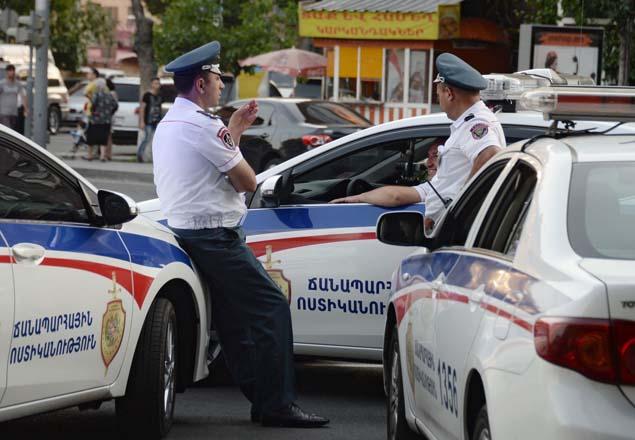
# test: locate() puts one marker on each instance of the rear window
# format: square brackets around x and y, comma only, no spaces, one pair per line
[330,114]
[601,214]
[127,92]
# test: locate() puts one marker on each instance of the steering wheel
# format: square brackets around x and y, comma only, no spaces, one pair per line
[358,186]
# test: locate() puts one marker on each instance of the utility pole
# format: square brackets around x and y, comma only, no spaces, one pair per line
[40,110]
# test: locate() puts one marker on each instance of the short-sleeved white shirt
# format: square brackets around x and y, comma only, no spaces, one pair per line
[476,129]
[192,150]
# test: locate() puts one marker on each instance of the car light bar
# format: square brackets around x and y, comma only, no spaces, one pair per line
[510,86]
[582,103]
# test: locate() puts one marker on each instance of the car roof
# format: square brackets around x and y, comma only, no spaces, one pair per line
[281,100]
[602,148]
[135,80]
[526,118]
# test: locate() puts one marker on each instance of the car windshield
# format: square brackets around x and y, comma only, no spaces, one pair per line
[601,215]
[330,114]
[127,92]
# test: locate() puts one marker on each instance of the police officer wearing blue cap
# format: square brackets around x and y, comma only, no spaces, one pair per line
[475,136]
[201,177]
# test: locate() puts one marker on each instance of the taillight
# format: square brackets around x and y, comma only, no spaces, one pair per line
[581,344]
[625,343]
[599,349]
[315,140]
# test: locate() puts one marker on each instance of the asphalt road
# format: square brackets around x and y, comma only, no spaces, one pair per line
[350,395]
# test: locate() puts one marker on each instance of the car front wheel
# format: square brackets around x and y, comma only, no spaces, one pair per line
[398,428]
[54,119]
[148,407]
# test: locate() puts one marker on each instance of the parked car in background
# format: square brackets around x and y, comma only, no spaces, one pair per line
[285,128]
[126,119]
[76,102]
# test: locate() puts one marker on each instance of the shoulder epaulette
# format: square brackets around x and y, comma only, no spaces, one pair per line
[469,117]
[209,115]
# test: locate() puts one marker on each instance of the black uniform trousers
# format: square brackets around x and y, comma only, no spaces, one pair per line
[251,315]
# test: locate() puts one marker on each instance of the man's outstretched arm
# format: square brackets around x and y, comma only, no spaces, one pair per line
[387,196]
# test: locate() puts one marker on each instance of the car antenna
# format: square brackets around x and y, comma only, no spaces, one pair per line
[446,202]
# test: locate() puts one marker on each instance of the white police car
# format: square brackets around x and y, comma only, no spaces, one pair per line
[95,303]
[325,257]
[518,320]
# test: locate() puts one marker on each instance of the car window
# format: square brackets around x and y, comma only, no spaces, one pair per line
[330,113]
[265,111]
[503,223]
[392,162]
[601,210]
[30,190]
[457,224]
[127,92]
[54,82]
[226,112]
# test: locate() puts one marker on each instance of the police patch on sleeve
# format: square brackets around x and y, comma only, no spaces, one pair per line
[479,130]
[225,136]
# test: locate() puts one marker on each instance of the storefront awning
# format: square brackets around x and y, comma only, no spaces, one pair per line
[380,19]
[378,5]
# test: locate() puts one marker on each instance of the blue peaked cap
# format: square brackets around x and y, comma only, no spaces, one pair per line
[206,57]
[454,71]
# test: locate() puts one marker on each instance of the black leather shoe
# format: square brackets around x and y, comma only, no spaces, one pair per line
[293,416]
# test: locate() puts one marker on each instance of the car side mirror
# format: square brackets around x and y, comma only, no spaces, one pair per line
[403,228]
[276,189]
[116,208]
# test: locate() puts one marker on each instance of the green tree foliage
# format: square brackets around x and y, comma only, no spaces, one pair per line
[72,28]
[246,28]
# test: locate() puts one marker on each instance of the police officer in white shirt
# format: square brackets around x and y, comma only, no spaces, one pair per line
[201,177]
[475,136]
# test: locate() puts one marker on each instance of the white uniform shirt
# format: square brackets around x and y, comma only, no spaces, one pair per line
[476,129]
[192,150]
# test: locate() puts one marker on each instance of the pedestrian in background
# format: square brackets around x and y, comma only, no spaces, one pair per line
[107,152]
[10,91]
[102,107]
[201,177]
[149,117]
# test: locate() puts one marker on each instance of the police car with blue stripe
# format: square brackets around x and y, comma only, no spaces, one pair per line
[96,302]
[515,318]
[325,257]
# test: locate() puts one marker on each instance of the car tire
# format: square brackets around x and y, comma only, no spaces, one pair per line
[481,427]
[397,426]
[147,409]
[54,119]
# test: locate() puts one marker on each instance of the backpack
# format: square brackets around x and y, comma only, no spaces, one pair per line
[104,105]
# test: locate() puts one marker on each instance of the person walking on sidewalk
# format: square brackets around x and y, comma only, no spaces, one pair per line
[149,117]
[201,177]
[10,89]
[103,106]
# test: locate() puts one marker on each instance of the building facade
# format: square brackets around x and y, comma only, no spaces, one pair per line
[381,52]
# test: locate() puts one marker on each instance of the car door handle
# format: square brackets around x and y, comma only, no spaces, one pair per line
[477,295]
[28,253]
